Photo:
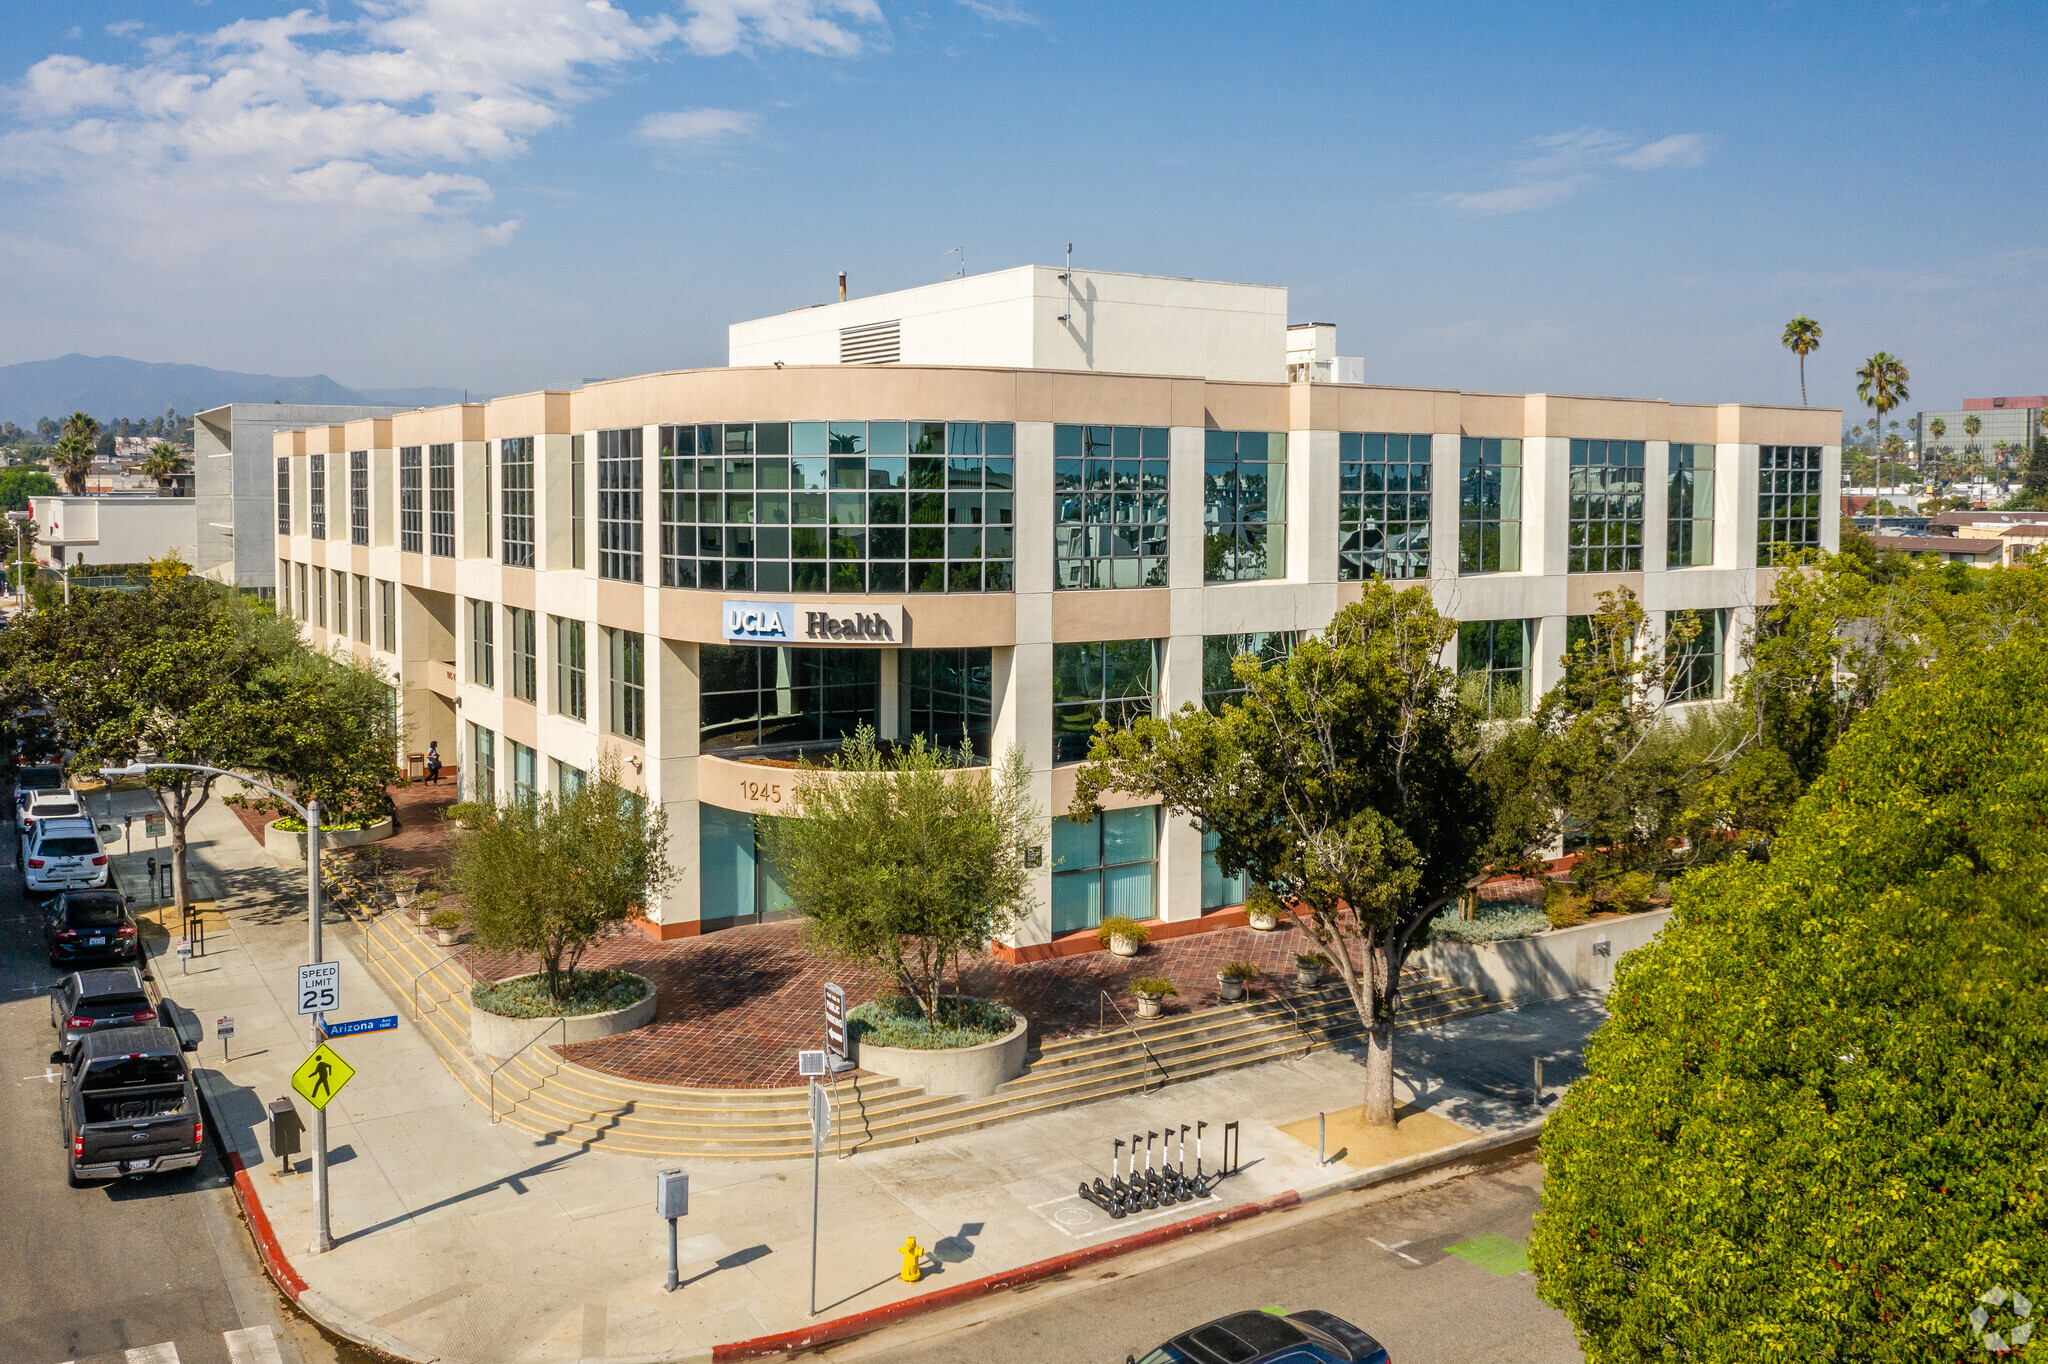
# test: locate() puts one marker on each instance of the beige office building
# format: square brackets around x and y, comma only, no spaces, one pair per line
[995,509]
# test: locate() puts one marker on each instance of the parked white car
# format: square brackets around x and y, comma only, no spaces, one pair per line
[63,854]
[58,804]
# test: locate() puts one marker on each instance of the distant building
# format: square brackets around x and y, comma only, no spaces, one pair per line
[1948,548]
[2013,421]
[237,502]
[113,528]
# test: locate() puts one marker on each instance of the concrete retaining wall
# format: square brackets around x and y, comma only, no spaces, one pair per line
[288,848]
[971,1071]
[498,1037]
[1564,961]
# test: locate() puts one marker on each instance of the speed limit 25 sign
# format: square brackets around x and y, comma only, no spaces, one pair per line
[320,987]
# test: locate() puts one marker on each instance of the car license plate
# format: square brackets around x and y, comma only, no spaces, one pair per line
[95,942]
[135,1164]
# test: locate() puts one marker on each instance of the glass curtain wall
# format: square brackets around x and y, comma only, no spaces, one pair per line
[1606,509]
[441,501]
[737,880]
[764,697]
[838,506]
[1489,504]
[515,492]
[1382,506]
[1697,665]
[1788,502]
[1104,867]
[945,694]
[1110,680]
[1689,507]
[1110,514]
[620,530]
[1244,506]
[1219,684]
[1218,891]
[1493,660]
[627,656]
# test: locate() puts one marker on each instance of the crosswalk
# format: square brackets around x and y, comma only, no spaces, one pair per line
[250,1345]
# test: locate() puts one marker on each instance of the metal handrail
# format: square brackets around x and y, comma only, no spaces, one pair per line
[563,1023]
[1295,1014]
[1135,1036]
[417,974]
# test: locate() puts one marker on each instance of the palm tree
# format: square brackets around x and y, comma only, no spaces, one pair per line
[163,464]
[76,447]
[1882,386]
[1936,428]
[1802,338]
[1972,424]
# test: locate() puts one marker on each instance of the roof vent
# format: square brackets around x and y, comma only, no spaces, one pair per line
[876,343]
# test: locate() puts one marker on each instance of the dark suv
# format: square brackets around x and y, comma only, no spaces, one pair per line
[86,1003]
[1309,1337]
[89,925]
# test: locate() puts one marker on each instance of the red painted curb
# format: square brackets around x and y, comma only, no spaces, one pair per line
[259,1225]
[862,1322]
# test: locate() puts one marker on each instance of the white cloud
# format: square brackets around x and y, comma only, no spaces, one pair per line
[695,125]
[1004,13]
[717,27]
[1565,163]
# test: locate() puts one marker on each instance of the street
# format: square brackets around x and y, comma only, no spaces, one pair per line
[1435,1274]
[143,1271]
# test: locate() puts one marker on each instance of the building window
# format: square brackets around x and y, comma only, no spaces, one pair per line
[1219,685]
[525,773]
[619,527]
[945,696]
[387,600]
[1103,868]
[1606,506]
[284,587]
[576,501]
[764,697]
[523,680]
[1787,501]
[1489,505]
[1244,506]
[1493,658]
[284,497]
[1696,665]
[1382,506]
[362,609]
[409,512]
[359,497]
[303,607]
[515,536]
[316,496]
[1218,891]
[628,679]
[571,681]
[340,602]
[1109,506]
[1110,681]
[483,765]
[441,500]
[838,507]
[737,881]
[1689,518]
[482,660]
[569,780]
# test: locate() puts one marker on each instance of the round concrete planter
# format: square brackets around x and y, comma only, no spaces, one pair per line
[1229,988]
[973,1072]
[1264,923]
[498,1037]
[1124,947]
[1149,1006]
[289,847]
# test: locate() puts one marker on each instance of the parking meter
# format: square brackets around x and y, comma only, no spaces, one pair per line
[285,1129]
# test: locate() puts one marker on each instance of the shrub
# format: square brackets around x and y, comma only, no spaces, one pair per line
[582,992]
[1117,926]
[1238,970]
[1316,960]
[1498,925]
[1153,987]
[447,921]
[1628,893]
[1564,909]
[899,1021]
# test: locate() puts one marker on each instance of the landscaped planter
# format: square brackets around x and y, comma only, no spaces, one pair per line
[1228,988]
[1122,946]
[973,1072]
[1264,923]
[498,1037]
[288,846]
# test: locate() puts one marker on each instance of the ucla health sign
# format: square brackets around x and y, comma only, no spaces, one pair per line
[781,622]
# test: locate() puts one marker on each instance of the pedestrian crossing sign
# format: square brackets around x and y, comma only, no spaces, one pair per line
[320,1076]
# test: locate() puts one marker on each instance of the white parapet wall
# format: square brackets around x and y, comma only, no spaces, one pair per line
[1565,961]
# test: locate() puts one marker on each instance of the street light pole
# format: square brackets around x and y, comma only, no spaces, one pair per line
[323,1236]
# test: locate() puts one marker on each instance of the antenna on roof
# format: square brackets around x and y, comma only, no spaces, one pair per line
[961,252]
[1067,278]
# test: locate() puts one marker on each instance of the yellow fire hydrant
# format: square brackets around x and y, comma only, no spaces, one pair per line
[912,1254]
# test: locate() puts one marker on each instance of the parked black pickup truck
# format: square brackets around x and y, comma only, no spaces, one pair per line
[129,1105]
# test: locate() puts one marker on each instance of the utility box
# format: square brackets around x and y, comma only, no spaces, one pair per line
[285,1129]
[672,1193]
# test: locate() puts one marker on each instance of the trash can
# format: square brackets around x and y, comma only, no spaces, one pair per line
[415,767]
[285,1130]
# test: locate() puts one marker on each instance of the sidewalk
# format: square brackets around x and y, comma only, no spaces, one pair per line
[458,1240]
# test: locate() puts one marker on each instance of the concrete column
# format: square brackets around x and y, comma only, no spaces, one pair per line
[475,482]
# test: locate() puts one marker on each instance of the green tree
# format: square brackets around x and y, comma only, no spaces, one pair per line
[552,875]
[76,449]
[1347,785]
[17,486]
[1802,338]
[910,860]
[1881,384]
[1813,1127]
[163,464]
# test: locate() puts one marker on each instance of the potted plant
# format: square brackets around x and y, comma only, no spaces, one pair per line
[1122,936]
[403,888]
[1151,992]
[1263,913]
[1231,980]
[1308,969]
[424,906]
[447,927]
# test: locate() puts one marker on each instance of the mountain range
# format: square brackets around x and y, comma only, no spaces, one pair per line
[109,386]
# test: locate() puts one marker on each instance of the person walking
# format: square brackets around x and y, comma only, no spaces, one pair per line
[433,763]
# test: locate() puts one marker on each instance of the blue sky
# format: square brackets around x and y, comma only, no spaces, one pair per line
[505,194]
